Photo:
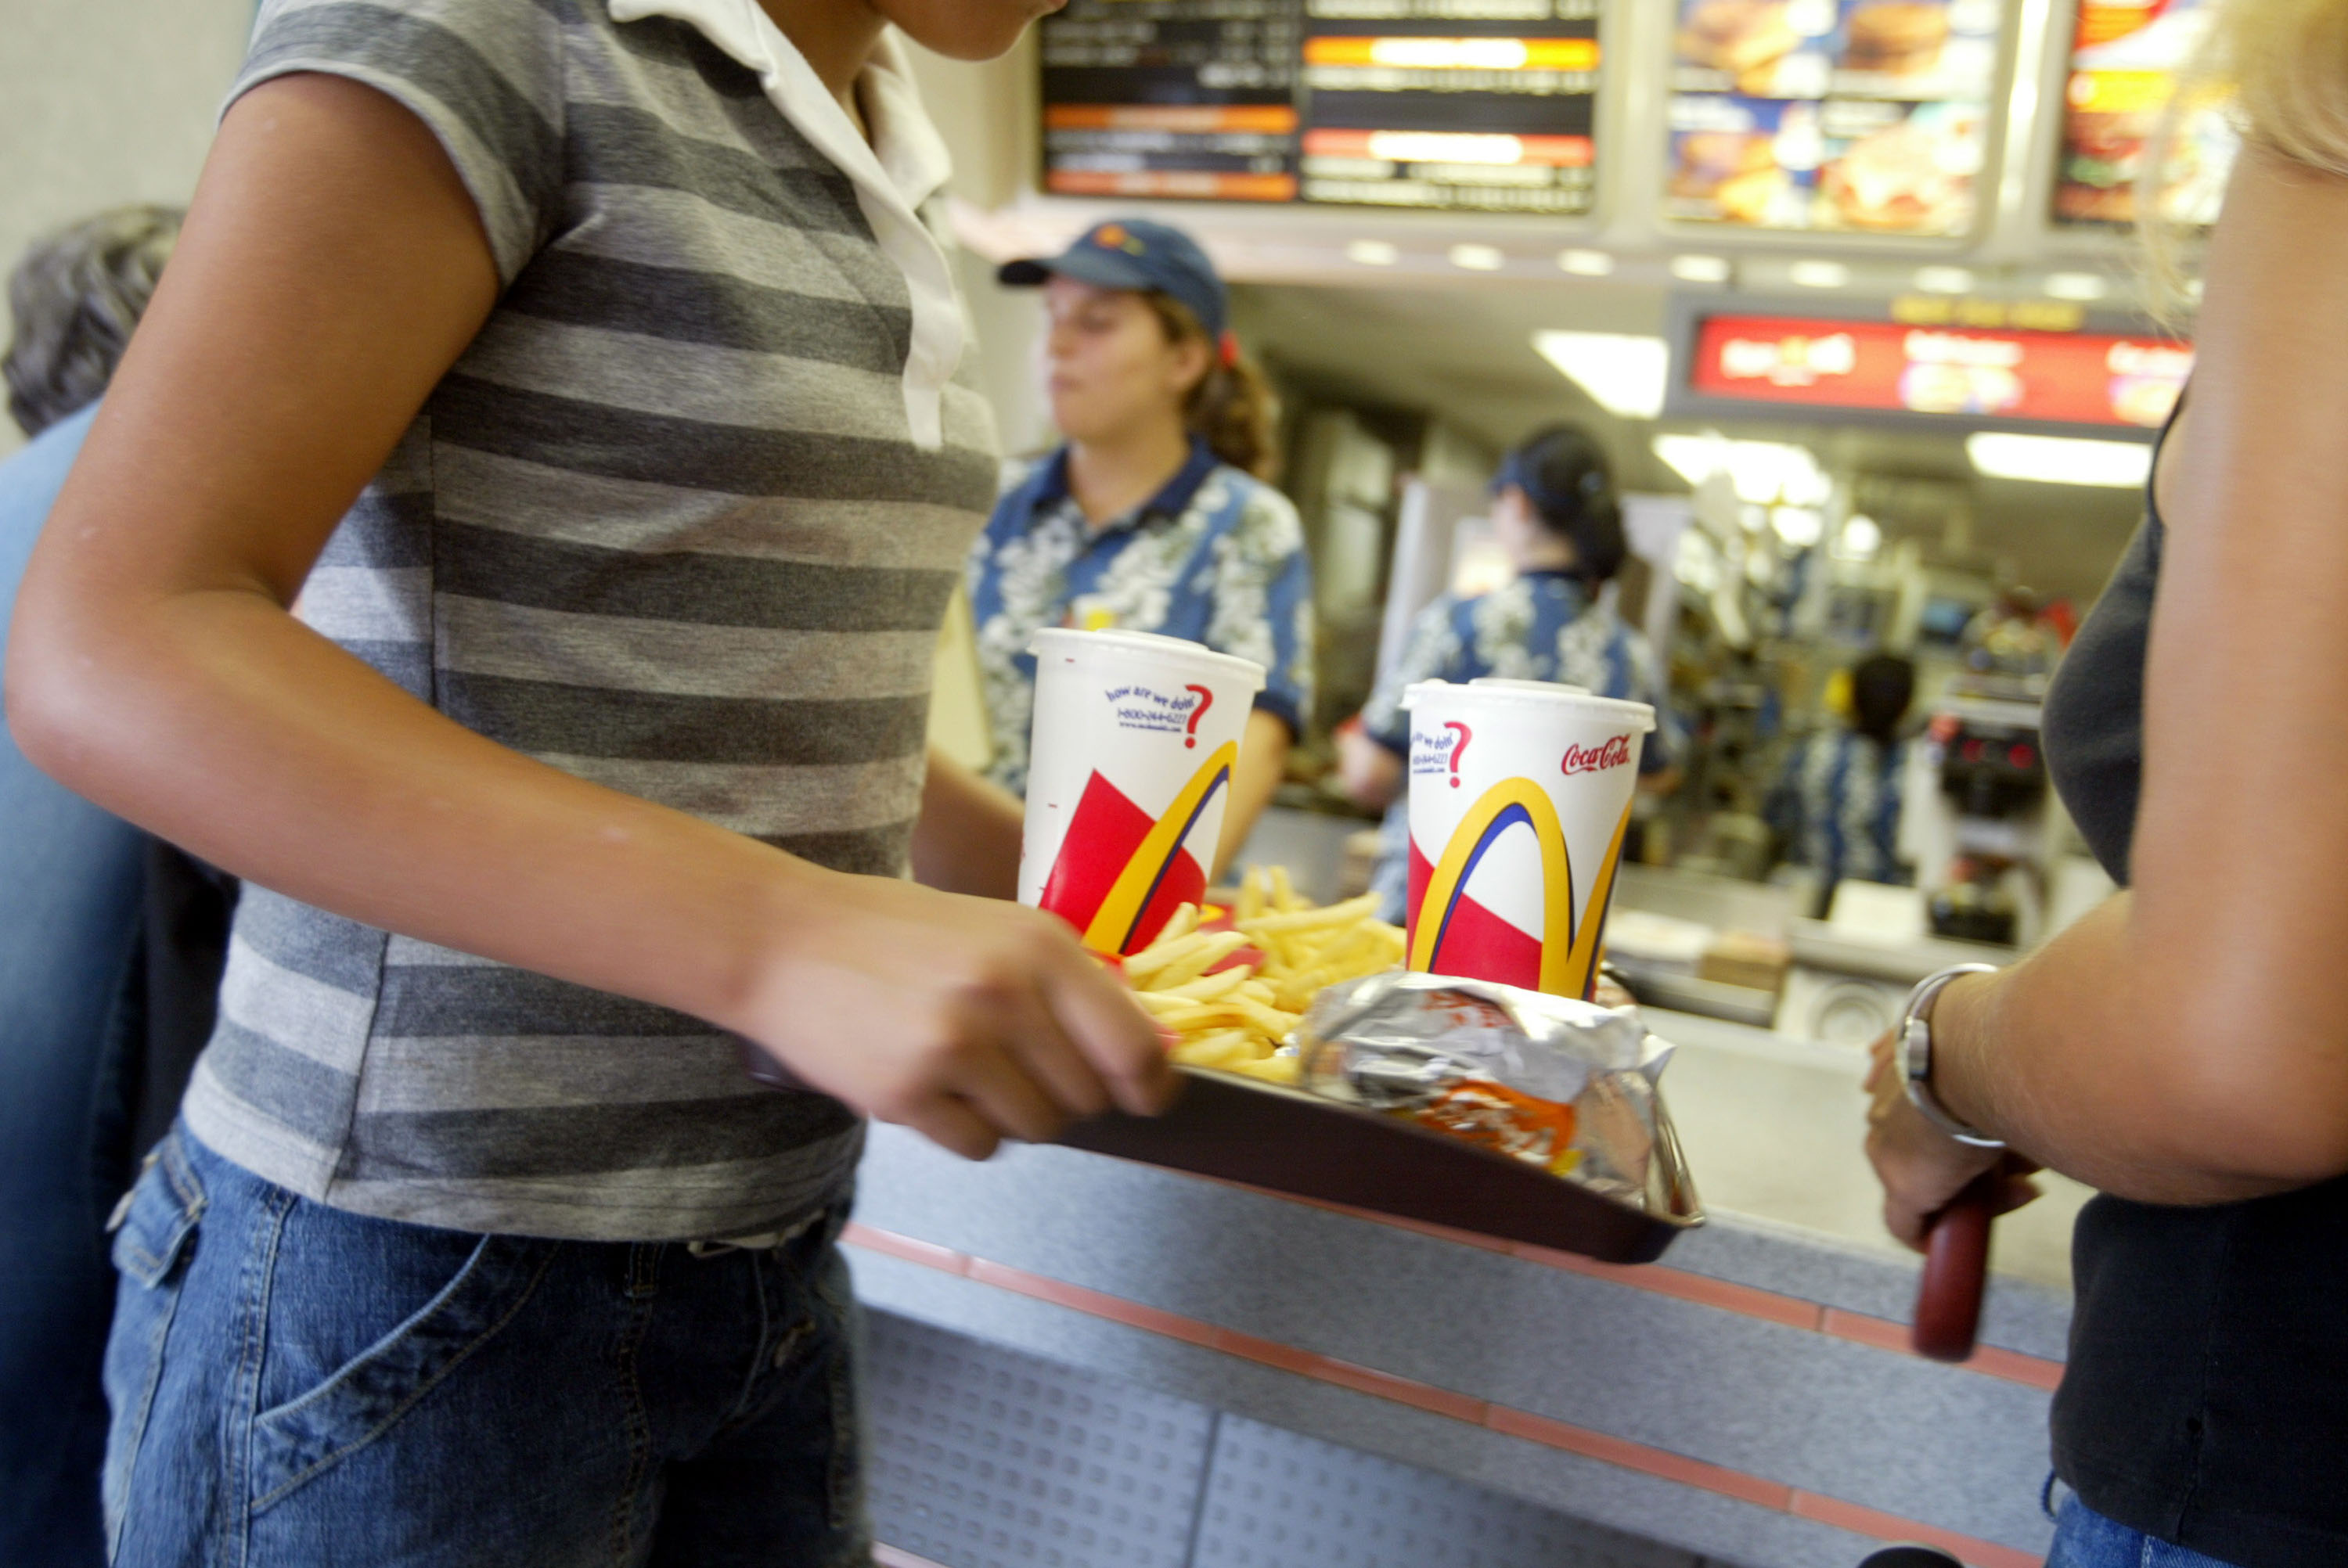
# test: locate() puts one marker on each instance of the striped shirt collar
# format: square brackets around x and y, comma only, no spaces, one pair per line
[904,165]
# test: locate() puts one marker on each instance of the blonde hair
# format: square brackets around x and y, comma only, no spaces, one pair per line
[2284,64]
[1232,406]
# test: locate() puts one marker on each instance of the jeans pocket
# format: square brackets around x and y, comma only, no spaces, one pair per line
[151,1247]
[295,1441]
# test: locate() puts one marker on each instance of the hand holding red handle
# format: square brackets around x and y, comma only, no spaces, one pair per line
[1956,1271]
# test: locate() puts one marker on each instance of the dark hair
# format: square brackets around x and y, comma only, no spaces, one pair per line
[1232,405]
[1563,472]
[1881,687]
[75,298]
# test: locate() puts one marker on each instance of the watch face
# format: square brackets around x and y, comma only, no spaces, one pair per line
[1916,1048]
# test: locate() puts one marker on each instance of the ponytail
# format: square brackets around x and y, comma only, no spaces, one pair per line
[1232,408]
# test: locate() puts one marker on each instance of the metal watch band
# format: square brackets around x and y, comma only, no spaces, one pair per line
[1913,1039]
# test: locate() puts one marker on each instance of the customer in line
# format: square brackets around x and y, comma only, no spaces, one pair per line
[2184,1049]
[1156,513]
[515,543]
[71,879]
[1558,521]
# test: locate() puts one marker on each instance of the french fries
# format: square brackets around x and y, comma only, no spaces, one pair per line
[1237,1017]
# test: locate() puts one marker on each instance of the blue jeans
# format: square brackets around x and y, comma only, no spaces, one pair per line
[70,879]
[2085,1539]
[296,1387]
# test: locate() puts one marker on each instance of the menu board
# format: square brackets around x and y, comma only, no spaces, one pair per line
[2058,378]
[1849,115]
[2125,56]
[1455,105]
[1172,97]
[1467,105]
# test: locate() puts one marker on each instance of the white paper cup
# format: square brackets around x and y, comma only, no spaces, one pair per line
[1519,800]
[1130,761]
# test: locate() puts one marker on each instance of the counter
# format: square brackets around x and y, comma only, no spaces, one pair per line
[1748,1399]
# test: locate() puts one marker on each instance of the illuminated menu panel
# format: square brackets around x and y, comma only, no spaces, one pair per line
[1462,105]
[2125,61]
[2059,378]
[1172,97]
[1867,116]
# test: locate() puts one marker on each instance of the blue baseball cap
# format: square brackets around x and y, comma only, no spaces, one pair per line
[1135,254]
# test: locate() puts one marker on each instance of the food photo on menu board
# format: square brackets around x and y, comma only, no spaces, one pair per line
[2124,63]
[1856,115]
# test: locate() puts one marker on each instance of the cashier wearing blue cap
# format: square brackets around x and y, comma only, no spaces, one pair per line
[1154,515]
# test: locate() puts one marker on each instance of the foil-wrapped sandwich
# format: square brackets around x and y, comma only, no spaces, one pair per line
[1557,1082]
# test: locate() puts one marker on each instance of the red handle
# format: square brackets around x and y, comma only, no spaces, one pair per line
[1956,1272]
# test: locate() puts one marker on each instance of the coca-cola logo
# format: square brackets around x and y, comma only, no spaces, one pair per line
[1597,759]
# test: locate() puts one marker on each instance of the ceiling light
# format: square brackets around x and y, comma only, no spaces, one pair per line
[1818,274]
[1694,458]
[1860,539]
[1944,281]
[1585,264]
[1700,268]
[2060,459]
[1764,472]
[1625,375]
[2084,287]
[1800,527]
[1372,253]
[1478,258]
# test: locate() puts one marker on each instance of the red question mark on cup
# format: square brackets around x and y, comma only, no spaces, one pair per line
[1206,701]
[1466,735]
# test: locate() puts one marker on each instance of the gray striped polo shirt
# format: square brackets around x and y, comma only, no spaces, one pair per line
[673,524]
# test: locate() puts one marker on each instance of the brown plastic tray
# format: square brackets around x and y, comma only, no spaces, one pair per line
[1265,1135]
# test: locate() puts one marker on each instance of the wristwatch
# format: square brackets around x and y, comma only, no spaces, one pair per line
[1914,1036]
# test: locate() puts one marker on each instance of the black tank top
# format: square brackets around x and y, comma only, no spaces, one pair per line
[2206,1401]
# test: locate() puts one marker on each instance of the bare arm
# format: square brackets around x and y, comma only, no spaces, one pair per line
[968,838]
[2188,1042]
[332,269]
[1263,759]
[1371,774]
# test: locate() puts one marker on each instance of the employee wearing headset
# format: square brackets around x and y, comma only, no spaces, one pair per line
[1555,516]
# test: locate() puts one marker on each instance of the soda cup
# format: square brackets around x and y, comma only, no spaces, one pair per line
[1519,800]
[1130,761]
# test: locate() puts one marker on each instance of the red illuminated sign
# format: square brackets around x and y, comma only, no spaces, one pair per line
[2056,378]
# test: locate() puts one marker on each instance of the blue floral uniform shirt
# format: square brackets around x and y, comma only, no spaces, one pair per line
[1216,557]
[1544,626]
[1838,804]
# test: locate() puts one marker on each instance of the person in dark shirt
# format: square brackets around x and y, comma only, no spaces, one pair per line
[2184,1049]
